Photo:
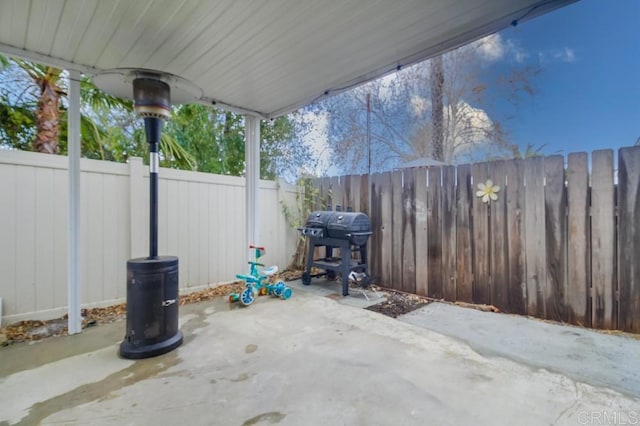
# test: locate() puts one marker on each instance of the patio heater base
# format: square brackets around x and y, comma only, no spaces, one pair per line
[130,351]
[152,307]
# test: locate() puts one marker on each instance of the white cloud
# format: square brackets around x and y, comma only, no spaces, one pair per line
[493,48]
[468,131]
[564,54]
[419,105]
[519,54]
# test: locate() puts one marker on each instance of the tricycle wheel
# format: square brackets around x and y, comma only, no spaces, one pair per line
[247,297]
[286,293]
[278,289]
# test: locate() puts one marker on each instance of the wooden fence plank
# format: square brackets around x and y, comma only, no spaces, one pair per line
[386,232]
[481,239]
[464,235]
[327,198]
[578,277]
[353,201]
[514,196]
[535,252]
[365,206]
[629,237]
[449,233]
[346,193]
[336,193]
[603,240]
[434,233]
[361,198]
[408,255]
[397,230]
[375,241]
[325,202]
[556,238]
[498,235]
[422,276]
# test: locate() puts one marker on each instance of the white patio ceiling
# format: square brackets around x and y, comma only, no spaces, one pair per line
[256,56]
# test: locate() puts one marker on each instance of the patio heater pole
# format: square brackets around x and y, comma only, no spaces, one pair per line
[153,127]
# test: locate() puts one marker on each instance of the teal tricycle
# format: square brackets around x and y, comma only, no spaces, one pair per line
[256,282]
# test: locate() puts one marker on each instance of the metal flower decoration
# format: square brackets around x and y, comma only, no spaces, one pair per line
[487,191]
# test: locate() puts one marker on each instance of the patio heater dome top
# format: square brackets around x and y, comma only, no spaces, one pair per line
[119,82]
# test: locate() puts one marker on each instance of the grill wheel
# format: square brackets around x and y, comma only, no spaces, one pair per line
[306,278]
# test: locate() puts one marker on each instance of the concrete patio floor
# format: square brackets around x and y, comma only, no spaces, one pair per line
[309,361]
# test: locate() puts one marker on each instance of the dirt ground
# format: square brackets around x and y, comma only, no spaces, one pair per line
[395,305]
[398,304]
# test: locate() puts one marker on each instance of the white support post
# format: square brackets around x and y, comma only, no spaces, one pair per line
[252,173]
[75,319]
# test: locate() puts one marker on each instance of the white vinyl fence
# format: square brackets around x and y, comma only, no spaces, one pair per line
[201,220]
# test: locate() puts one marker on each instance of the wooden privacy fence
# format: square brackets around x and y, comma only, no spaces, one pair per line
[559,243]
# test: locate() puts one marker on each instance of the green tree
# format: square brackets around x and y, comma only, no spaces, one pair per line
[216,140]
[196,137]
[33,108]
[308,199]
[17,126]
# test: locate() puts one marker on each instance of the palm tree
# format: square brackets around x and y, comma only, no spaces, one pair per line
[47,112]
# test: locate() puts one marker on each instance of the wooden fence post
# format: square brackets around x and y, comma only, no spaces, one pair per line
[422,217]
[449,260]
[481,238]
[629,238]
[434,232]
[514,193]
[408,253]
[555,238]
[603,239]
[499,239]
[535,250]
[464,234]
[578,276]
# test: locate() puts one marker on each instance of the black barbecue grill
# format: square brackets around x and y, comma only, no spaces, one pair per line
[346,231]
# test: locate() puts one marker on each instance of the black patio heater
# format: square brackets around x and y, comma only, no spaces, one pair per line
[152,282]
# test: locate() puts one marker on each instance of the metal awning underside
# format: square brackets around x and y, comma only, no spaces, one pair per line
[258,56]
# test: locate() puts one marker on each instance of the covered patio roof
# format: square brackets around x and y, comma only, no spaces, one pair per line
[266,58]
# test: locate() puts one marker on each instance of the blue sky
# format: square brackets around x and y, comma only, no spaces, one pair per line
[587,93]
[589,90]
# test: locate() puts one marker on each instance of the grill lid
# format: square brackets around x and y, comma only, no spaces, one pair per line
[352,226]
[319,219]
[348,222]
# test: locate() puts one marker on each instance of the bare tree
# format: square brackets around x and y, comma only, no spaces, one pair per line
[443,109]
[436,78]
